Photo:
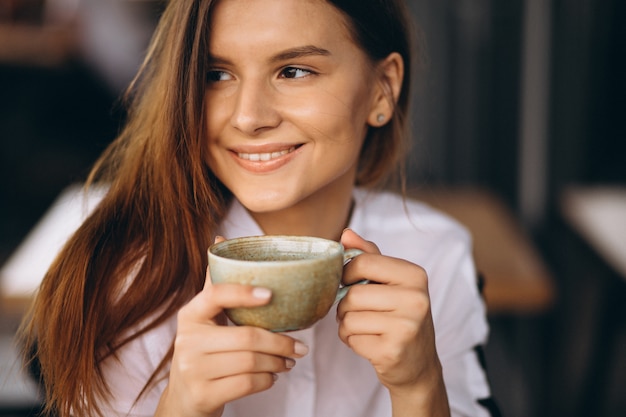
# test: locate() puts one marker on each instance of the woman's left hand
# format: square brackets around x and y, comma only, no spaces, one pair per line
[390,324]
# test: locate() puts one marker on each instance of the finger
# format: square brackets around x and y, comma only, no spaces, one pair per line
[350,239]
[379,298]
[237,386]
[385,270]
[398,300]
[372,323]
[248,338]
[209,302]
[235,363]
[364,345]
[357,323]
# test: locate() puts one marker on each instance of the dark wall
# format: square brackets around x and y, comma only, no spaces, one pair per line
[589,92]
[467,98]
[53,125]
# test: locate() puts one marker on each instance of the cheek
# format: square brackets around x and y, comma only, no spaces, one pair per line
[217,110]
[354,103]
[334,113]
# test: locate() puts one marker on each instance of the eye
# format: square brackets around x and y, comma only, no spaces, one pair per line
[217,75]
[293,72]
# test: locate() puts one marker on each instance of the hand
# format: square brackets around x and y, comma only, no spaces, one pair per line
[390,324]
[214,364]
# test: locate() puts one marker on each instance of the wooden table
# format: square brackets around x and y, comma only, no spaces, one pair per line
[598,214]
[517,282]
[46,46]
[21,274]
[516,279]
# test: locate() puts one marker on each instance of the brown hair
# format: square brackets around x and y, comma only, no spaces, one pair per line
[139,256]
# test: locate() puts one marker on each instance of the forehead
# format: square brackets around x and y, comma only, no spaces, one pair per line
[254,24]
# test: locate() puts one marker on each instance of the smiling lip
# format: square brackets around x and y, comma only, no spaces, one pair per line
[264,159]
[265,156]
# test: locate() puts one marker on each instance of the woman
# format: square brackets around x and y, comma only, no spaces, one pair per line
[252,117]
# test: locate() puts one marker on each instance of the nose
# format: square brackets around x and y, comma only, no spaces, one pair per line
[254,110]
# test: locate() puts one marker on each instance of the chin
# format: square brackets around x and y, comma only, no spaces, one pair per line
[265,203]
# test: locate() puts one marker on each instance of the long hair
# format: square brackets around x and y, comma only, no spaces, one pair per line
[139,256]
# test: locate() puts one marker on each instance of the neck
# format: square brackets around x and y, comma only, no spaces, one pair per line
[324,214]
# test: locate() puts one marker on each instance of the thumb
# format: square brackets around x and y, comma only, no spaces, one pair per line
[213,299]
[350,239]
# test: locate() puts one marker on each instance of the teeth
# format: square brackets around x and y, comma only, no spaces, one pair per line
[265,156]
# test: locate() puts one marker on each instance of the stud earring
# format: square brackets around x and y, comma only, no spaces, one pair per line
[380,118]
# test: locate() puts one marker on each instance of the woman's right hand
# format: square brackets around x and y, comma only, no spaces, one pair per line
[214,364]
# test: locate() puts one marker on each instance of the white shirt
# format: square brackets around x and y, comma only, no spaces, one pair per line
[332,380]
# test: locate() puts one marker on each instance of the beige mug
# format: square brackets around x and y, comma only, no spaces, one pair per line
[304,274]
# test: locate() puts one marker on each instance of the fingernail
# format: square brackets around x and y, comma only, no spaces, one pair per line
[289,363]
[300,348]
[275,377]
[261,293]
[218,238]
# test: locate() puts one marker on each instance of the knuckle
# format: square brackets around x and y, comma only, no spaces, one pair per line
[181,341]
[349,340]
[365,261]
[249,336]
[348,320]
[421,276]
[371,246]
[247,383]
[249,361]
[409,330]
[393,352]
[256,382]
[421,305]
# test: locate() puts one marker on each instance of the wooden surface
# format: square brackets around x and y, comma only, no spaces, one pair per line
[516,279]
[598,214]
[36,45]
[21,274]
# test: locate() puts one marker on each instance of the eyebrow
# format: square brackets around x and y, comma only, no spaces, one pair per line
[291,53]
[299,52]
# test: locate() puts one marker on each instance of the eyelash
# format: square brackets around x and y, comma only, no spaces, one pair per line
[287,72]
[213,76]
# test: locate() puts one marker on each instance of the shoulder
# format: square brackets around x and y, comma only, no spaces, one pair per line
[403,226]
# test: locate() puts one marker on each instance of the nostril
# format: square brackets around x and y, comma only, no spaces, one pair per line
[254,111]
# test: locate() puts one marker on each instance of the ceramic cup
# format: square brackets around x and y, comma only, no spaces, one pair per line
[304,274]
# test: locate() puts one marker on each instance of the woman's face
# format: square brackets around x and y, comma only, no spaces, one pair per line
[287,102]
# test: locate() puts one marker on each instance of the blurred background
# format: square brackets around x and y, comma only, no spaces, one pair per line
[518,104]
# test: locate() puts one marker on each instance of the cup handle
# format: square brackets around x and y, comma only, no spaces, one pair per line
[348,255]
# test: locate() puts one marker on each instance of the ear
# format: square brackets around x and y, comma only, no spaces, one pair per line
[390,73]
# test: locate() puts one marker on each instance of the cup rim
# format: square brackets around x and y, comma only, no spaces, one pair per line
[211,250]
